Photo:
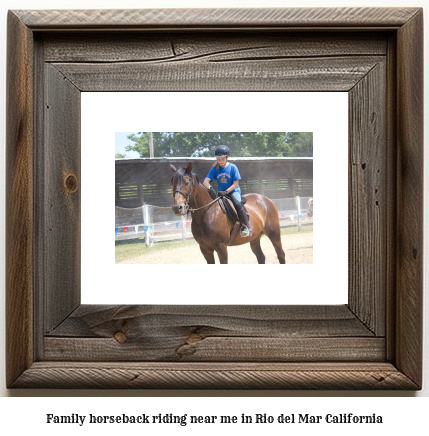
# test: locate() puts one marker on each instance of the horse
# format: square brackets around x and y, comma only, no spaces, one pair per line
[211,226]
[310,207]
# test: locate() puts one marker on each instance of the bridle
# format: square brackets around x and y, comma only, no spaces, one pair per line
[188,196]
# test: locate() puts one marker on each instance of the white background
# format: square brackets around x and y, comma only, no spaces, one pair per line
[324,114]
[16,414]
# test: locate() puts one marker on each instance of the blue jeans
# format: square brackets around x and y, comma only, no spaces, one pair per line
[237,195]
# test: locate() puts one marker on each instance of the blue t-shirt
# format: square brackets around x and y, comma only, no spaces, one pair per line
[225,177]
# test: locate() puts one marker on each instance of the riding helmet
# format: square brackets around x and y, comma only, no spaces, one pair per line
[221,151]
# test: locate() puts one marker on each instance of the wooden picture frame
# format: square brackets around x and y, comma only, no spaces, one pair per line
[373,342]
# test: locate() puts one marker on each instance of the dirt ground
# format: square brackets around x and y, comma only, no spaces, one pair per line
[298,249]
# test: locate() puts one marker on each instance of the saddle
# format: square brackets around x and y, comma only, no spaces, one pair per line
[229,208]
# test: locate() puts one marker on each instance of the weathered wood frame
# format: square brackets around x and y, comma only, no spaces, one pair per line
[374,342]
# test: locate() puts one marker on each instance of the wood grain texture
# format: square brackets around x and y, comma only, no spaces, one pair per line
[391,195]
[189,347]
[410,213]
[19,200]
[367,199]
[174,348]
[108,375]
[177,47]
[61,185]
[324,74]
[186,19]
[213,333]
[99,321]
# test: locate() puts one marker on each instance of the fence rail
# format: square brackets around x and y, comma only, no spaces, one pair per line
[156,224]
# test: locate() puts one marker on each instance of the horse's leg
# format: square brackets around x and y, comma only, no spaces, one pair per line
[222,252]
[208,253]
[274,235]
[255,245]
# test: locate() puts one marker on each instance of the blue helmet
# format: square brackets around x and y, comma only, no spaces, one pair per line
[221,151]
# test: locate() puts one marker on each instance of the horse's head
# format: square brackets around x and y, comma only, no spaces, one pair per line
[182,182]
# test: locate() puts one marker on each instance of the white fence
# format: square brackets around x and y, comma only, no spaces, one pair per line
[155,224]
[293,211]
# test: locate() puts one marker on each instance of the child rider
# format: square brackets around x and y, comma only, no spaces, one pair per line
[227,176]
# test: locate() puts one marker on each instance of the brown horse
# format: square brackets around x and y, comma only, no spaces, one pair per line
[211,227]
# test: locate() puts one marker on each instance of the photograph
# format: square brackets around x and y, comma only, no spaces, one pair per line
[251,191]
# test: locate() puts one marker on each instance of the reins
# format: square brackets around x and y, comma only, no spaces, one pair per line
[214,201]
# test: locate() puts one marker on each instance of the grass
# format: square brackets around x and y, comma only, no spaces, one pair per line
[136,247]
[308,228]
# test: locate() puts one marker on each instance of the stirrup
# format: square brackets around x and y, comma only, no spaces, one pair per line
[245,231]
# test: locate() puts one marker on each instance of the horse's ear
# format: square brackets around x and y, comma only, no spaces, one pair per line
[173,168]
[189,168]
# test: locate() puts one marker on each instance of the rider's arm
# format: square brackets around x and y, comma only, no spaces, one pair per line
[233,186]
[207,182]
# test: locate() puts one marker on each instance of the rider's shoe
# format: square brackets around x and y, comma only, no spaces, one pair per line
[245,227]
[245,231]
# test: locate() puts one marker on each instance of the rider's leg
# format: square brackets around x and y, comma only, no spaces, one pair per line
[241,212]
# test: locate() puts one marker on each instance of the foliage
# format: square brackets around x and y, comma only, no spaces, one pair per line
[241,144]
[120,156]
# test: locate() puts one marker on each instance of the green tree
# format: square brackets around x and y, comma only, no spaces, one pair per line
[119,156]
[302,143]
[241,144]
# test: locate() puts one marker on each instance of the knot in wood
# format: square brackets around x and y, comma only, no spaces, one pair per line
[71,183]
[120,337]
[193,338]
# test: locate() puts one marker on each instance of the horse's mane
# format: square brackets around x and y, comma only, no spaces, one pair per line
[180,173]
